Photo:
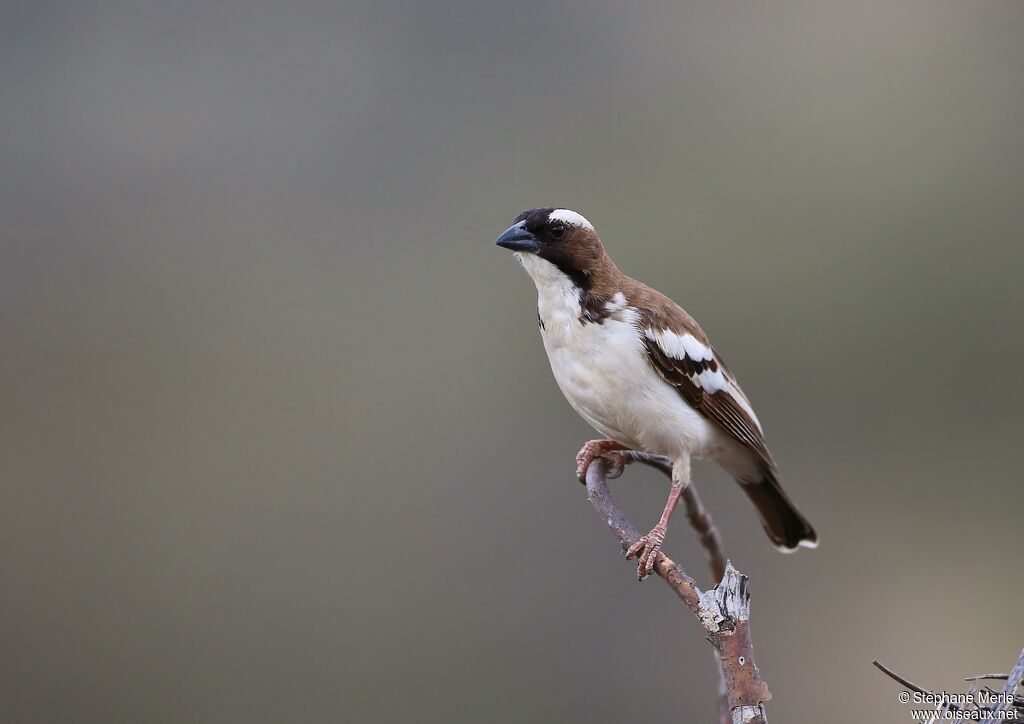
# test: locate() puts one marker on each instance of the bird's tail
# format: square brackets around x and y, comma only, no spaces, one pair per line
[784,524]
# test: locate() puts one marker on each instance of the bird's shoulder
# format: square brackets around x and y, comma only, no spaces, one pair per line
[658,311]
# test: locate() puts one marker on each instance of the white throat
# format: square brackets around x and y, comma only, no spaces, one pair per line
[556,292]
[596,365]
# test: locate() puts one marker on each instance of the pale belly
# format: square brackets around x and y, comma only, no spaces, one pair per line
[603,372]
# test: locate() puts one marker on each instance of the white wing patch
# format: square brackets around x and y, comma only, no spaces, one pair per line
[570,217]
[683,346]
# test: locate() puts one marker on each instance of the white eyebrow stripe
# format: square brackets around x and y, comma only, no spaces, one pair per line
[570,217]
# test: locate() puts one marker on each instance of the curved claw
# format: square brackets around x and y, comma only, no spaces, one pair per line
[647,548]
[606,450]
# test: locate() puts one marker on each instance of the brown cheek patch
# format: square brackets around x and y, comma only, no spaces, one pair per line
[567,262]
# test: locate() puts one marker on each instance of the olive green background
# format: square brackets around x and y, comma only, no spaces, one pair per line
[279,442]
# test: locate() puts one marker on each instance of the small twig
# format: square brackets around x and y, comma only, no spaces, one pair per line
[696,513]
[899,679]
[1013,680]
[710,540]
[1017,700]
[1007,699]
[912,686]
[723,611]
[982,677]
[674,575]
[706,530]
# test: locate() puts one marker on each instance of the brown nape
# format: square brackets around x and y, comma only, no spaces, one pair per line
[581,256]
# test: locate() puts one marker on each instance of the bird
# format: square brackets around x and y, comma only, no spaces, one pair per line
[640,370]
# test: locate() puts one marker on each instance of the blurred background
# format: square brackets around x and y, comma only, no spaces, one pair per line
[279,441]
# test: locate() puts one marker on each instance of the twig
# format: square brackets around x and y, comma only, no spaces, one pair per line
[899,679]
[1007,699]
[1013,680]
[710,540]
[723,611]
[696,513]
[982,677]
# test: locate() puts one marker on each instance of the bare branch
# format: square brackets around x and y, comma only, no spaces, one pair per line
[899,679]
[723,611]
[1012,683]
[706,531]
[1008,706]
[698,516]
[983,677]
[707,534]
[601,498]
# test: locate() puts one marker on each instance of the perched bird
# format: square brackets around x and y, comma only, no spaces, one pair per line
[641,371]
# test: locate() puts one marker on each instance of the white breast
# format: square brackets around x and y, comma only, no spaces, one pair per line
[602,370]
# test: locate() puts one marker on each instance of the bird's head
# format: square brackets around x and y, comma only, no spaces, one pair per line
[557,237]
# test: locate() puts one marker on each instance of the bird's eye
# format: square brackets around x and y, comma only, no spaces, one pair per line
[558,231]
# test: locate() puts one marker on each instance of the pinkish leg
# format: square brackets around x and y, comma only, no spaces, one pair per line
[648,547]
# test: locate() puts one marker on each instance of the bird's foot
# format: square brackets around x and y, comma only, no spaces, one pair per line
[646,550]
[606,450]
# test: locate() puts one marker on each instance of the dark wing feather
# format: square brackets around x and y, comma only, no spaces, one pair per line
[706,384]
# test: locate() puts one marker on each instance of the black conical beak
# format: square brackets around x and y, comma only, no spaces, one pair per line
[517,238]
